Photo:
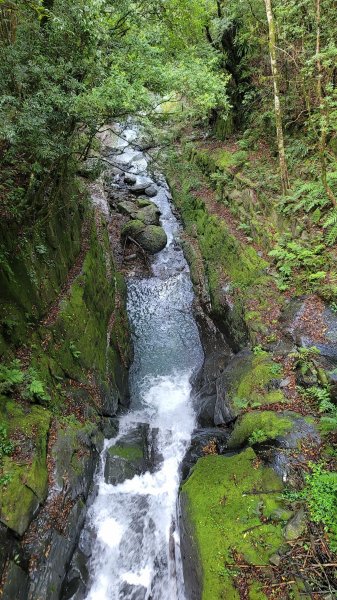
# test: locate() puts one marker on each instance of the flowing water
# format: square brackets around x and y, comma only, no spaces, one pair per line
[135,549]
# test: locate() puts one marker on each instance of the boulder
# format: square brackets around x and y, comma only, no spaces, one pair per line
[127,208]
[152,238]
[203,440]
[149,215]
[151,191]
[130,179]
[133,454]
[140,188]
[132,229]
[257,427]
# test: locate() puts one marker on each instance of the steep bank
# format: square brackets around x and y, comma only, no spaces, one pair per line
[270,394]
[65,352]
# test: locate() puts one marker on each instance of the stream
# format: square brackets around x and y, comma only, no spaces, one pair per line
[135,553]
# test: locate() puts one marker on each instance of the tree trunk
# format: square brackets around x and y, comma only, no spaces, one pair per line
[322,108]
[278,112]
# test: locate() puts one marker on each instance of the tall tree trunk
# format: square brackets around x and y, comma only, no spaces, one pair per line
[278,112]
[322,108]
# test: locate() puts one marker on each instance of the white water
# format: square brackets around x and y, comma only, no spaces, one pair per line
[135,552]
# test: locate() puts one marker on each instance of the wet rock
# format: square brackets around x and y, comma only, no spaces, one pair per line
[133,592]
[46,583]
[130,179]
[152,238]
[151,191]
[202,439]
[16,583]
[296,526]
[140,188]
[131,455]
[77,578]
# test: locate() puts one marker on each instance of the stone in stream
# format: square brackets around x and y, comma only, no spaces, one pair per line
[130,179]
[127,208]
[149,214]
[153,239]
[133,454]
[140,188]
[151,191]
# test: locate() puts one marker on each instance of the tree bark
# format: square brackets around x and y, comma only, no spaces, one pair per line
[322,108]
[278,112]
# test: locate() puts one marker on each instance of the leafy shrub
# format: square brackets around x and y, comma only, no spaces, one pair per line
[321,496]
[6,449]
[10,376]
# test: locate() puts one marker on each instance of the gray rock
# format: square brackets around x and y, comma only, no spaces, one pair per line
[130,179]
[151,191]
[296,526]
[140,188]
[127,208]
[16,583]
[200,439]
[77,578]
[47,581]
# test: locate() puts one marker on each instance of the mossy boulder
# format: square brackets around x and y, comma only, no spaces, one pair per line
[132,229]
[226,506]
[130,456]
[152,238]
[26,489]
[149,214]
[248,381]
[259,426]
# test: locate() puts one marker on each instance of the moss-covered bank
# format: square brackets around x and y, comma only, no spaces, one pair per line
[65,348]
[233,512]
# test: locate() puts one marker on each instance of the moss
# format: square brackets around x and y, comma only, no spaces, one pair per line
[253,388]
[27,486]
[128,452]
[225,517]
[256,592]
[259,426]
[228,262]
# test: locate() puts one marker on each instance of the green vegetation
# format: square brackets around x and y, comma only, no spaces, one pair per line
[226,518]
[259,426]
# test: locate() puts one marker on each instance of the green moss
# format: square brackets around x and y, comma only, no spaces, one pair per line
[225,517]
[259,426]
[128,452]
[233,269]
[256,592]
[27,486]
[253,388]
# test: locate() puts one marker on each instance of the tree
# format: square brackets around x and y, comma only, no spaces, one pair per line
[277,103]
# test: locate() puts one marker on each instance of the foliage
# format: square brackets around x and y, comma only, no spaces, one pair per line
[13,378]
[67,70]
[321,496]
[6,449]
[293,256]
[304,358]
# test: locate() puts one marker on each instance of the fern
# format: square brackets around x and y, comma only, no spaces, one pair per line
[331,225]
